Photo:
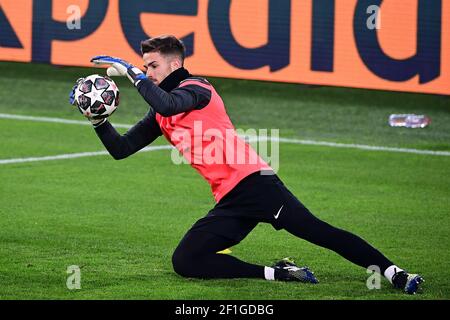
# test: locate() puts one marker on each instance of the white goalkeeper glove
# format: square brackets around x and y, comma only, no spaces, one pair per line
[120,67]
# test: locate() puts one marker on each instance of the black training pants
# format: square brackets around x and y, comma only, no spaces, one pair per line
[261,198]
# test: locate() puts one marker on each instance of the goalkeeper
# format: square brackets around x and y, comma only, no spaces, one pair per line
[245,193]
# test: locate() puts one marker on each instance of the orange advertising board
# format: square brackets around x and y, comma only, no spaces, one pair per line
[378,44]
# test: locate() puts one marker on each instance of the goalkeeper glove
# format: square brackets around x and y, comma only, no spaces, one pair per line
[120,67]
[72,101]
[72,93]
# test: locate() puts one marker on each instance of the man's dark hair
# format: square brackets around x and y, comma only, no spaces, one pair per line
[165,45]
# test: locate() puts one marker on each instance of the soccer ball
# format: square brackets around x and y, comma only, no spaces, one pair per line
[97,97]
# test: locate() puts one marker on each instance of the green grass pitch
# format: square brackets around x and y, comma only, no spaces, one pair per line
[121,220]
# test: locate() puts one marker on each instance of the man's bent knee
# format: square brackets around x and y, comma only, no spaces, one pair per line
[183,263]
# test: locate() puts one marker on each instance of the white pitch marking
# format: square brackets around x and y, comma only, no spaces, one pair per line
[351,146]
[75,155]
[54,120]
[362,147]
[285,140]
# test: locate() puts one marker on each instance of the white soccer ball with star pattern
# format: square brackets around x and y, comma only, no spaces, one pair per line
[97,96]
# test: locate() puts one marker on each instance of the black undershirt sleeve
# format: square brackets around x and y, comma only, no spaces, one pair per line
[181,99]
[140,135]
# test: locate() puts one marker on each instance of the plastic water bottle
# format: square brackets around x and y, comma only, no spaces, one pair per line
[409,120]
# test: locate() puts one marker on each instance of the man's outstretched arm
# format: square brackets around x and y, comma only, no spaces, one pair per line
[140,135]
[166,104]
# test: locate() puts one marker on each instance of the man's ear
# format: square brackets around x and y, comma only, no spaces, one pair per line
[175,64]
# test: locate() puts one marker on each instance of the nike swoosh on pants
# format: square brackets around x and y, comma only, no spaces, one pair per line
[278,213]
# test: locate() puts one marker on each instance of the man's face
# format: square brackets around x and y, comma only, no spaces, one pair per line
[158,67]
